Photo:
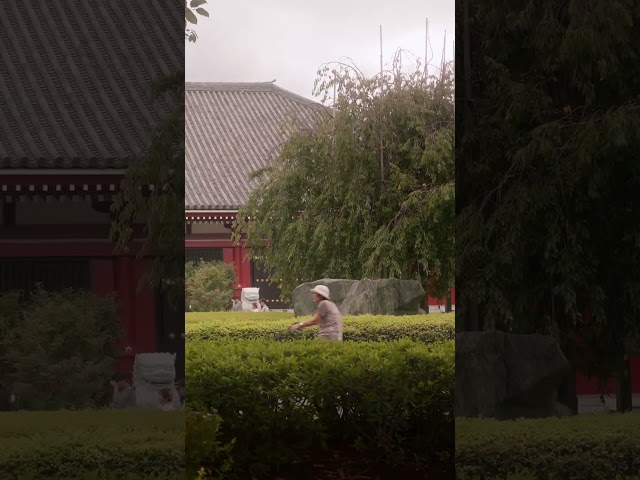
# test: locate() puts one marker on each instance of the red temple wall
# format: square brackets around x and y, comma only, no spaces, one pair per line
[109,274]
[590,386]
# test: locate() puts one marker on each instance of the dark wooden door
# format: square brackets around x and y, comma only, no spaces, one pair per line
[268,290]
[53,274]
[203,254]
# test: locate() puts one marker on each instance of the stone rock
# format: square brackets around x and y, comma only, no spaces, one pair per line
[506,376]
[360,297]
[384,297]
[301,296]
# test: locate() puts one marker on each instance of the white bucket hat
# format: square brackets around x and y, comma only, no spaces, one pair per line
[322,291]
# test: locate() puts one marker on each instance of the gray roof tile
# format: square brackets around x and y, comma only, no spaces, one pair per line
[232,130]
[76,79]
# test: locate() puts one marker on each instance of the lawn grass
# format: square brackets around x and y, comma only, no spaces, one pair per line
[597,447]
[101,444]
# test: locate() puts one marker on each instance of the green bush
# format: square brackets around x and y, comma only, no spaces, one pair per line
[210,286]
[390,401]
[206,456]
[249,325]
[58,351]
[586,446]
[529,475]
[92,444]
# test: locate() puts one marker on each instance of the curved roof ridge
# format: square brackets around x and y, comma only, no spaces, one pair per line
[250,87]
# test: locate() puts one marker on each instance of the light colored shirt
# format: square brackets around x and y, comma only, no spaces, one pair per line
[265,309]
[330,327]
[237,306]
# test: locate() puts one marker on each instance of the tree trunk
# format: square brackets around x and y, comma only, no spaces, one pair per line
[624,397]
[425,301]
[448,306]
[567,394]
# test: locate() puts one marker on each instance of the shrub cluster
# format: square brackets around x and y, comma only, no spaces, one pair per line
[269,326]
[209,286]
[390,401]
[56,350]
[92,444]
[590,446]
[203,445]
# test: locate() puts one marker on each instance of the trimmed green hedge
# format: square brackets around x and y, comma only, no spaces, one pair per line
[272,325]
[92,444]
[392,402]
[586,446]
[194,318]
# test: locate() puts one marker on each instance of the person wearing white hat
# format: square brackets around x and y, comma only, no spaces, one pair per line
[327,317]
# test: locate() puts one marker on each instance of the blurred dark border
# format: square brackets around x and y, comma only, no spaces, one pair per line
[547,203]
[91,243]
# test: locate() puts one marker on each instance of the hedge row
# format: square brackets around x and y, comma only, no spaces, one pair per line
[92,444]
[589,446]
[269,326]
[391,402]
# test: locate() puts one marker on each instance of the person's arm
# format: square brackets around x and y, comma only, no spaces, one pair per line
[309,323]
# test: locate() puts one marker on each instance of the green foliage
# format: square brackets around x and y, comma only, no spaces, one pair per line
[268,326]
[590,446]
[106,445]
[529,475]
[59,349]
[550,130]
[193,8]
[10,313]
[210,286]
[189,270]
[194,319]
[202,446]
[336,203]
[392,402]
[152,191]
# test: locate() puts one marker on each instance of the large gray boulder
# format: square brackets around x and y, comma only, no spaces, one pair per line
[301,296]
[384,297]
[505,376]
[361,297]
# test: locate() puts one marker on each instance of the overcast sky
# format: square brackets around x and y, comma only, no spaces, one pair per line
[287,40]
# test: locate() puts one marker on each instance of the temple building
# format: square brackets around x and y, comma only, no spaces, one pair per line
[232,130]
[77,108]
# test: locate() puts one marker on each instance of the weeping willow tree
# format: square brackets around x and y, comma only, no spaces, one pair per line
[548,178]
[369,192]
[153,186]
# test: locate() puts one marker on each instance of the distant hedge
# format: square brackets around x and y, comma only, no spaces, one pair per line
[392,402]
[269,326]
[596,447]
[131,445]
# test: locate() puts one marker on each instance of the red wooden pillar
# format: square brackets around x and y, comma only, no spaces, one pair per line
[124,274]
[245,266]
[237,263]
[144,308]
[102,276]
[228,256]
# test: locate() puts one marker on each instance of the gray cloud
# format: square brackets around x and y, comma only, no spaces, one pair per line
[287,40]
